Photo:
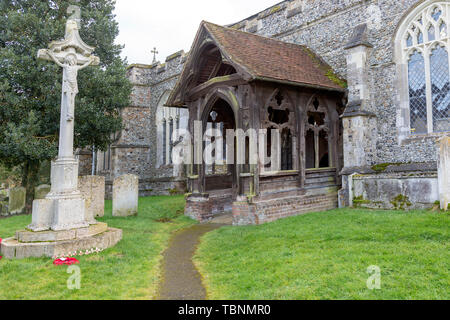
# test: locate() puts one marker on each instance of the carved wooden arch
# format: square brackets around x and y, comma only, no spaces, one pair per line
[198,58]
[225,93]
[323,104]
[286,104]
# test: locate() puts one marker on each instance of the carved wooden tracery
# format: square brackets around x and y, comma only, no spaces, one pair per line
[279,115]
[317,127]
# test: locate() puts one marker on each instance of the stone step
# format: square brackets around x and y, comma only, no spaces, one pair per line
[13,249]
[50,236]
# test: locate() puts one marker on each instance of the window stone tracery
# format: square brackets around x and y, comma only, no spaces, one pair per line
[425,46]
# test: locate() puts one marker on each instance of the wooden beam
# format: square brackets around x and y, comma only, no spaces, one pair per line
[231,80]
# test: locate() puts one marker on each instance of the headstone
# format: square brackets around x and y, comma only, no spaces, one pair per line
[17,197]
[444,172]
[3,194]
[40,192]
[93,190]
[125,196]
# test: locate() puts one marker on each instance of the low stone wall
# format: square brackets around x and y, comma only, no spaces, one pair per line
[245,213]
[395,190]
[154,187]
[203,207]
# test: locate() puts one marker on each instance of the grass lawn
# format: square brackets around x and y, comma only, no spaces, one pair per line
[326,256]
[128,271]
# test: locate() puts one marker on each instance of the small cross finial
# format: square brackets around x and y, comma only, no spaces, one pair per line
[154,54]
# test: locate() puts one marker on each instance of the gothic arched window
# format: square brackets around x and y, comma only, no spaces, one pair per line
[425,45]
[317,128]
[279,116]
[166,120]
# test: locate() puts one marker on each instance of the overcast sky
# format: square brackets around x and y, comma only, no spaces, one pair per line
[171,25]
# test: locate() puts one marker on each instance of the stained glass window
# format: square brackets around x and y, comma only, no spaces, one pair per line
[428,70]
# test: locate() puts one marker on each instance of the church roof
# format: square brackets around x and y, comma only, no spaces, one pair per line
[271,59]
[259,58]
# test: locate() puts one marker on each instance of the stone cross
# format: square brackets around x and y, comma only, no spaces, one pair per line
[154,54]
[64,207]
[73,55]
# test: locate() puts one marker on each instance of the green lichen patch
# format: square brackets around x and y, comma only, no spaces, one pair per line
[326,69]
[358,202]
[336,79]
[401,202]
[383,166]
[275,9]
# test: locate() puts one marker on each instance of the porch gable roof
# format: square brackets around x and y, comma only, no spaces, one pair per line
[265,59]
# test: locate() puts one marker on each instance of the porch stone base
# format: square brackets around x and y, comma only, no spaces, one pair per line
[203,207]
[260,212]
[198,207]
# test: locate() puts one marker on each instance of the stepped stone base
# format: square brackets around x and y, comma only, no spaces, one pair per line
[28,244]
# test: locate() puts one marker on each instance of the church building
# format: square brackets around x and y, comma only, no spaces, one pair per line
[358,90]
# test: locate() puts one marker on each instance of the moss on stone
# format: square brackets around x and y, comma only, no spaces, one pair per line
[173,191]
[401,202]
[383,166]
[328,71]
[333,77]
[275,9]
[359,201]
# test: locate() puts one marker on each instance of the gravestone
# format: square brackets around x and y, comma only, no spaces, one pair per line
[444,171]
[125,196]
[93,190]
[40,192]
[3,201]
[17,198]
[3,194]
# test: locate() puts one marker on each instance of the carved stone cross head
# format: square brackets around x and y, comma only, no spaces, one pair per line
[72,46]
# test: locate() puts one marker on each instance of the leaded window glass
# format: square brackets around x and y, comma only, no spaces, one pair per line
[440,89]
[425,47]
[431,34]
[417,93]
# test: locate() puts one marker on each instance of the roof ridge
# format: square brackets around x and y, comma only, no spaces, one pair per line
[255,35]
